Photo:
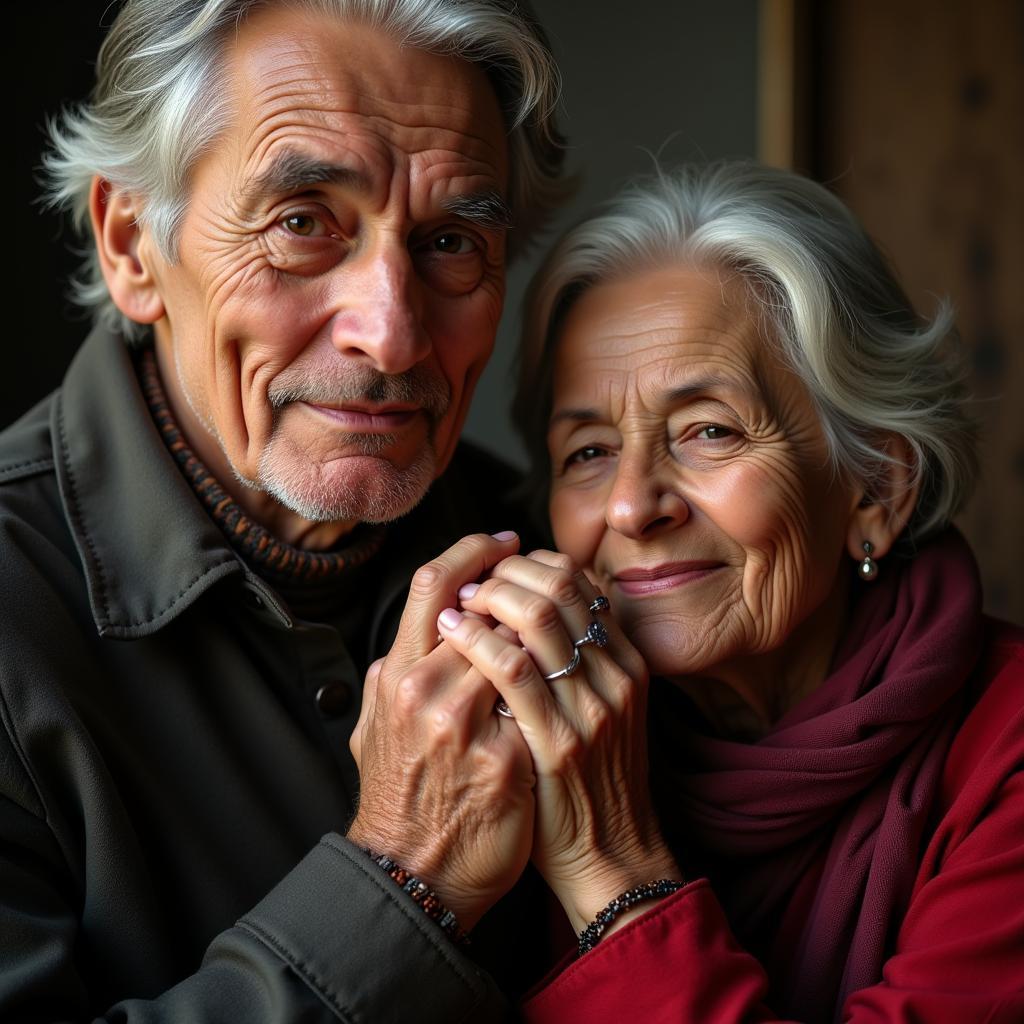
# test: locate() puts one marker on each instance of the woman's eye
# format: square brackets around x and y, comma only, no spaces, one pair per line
[585,454]
[713,432]
[304,225]
[453,244]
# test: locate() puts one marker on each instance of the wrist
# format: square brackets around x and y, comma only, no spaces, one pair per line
[630,904]
[423,869]
[423,896]
[585,895]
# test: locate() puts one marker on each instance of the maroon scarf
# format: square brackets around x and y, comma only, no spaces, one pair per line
[828,811]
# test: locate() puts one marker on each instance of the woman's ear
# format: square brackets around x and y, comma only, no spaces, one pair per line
[885,508]
[117,232]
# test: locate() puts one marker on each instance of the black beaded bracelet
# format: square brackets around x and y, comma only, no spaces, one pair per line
[591,935]
[423,896]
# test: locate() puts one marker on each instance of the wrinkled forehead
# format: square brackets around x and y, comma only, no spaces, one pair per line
[657,340]
[289,70]
[665,319]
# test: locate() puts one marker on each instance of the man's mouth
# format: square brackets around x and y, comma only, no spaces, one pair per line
[368,419]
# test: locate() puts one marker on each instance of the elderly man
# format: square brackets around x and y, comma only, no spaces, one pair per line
[299,214]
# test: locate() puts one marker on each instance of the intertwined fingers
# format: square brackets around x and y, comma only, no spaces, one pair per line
[435,587]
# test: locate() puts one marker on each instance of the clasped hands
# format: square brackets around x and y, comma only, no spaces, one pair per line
[463,796]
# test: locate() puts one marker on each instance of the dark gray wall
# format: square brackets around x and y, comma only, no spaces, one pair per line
[640,78]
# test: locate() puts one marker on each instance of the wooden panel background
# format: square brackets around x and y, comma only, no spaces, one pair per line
[914,114]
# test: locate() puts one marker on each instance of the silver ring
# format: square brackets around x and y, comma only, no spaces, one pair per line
[599,604]
[596,634]
[573,664]
[503,709]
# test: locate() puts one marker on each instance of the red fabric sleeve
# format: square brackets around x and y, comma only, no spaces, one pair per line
[959,955]
[678,962]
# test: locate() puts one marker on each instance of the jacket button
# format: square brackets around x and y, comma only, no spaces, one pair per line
[333,699]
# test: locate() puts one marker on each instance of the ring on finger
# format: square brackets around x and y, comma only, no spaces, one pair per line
[596,634]
[599,604]
[503,709]
[570,667]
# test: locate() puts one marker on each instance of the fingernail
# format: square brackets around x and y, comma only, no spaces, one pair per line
[505,535]
[449,618]
[468,591]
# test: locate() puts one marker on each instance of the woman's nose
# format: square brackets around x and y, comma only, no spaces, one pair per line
[643,501]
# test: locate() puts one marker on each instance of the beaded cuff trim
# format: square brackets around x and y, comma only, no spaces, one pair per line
[591,935]
[422,895]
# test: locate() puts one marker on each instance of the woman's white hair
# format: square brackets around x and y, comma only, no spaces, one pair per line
[826,297]
[159,101]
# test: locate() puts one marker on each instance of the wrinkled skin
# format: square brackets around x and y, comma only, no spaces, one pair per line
[692,485]
[691,479]
[334,300]
[323,250]
[447,786]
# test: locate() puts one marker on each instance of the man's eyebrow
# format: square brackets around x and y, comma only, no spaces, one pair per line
[485,209]
[294,172]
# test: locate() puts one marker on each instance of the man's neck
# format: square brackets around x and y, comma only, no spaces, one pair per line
[282,522]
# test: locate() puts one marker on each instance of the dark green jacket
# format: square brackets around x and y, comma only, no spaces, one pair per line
[171,794]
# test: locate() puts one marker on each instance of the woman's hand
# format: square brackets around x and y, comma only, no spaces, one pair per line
[595,834]
[446,784]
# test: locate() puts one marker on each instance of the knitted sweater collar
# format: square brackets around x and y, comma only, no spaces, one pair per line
[270,557]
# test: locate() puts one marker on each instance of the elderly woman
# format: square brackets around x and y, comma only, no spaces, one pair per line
[755,449]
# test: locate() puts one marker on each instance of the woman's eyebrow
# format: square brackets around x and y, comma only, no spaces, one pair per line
[574,415]
[702,385]
[672,396]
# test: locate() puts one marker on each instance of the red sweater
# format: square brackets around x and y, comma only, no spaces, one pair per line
[958,957]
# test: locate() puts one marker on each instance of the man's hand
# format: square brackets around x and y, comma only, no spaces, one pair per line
[596,834]
[446,783]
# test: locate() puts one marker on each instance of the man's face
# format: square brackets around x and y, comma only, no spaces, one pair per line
[341,268]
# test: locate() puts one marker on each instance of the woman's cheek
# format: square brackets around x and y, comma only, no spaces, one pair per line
[576,526]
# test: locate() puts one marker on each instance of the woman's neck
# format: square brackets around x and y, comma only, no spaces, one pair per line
[743,698]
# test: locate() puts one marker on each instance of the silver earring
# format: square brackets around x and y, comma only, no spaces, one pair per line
[868,569]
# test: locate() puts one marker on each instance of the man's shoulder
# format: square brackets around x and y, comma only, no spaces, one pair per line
[30,504]
[39,559]
[26,448]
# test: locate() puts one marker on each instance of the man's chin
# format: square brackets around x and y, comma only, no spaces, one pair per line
[356,488]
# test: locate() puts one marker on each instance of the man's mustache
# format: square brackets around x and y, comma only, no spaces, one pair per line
[340,384]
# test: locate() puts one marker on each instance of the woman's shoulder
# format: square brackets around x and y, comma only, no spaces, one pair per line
[990,741]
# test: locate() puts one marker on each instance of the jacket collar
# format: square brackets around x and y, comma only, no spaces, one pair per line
[148,548]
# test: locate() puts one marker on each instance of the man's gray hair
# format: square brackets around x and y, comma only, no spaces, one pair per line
[159,101]
[825,296]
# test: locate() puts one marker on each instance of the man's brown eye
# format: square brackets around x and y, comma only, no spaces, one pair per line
[452,243]
[300,224]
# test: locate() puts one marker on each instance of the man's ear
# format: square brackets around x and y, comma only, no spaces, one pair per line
[885,506]
[117,232]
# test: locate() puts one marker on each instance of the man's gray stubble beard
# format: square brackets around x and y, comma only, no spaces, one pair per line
[302,485]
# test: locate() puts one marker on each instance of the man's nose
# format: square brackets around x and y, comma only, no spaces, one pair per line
[645,499]
[380,310]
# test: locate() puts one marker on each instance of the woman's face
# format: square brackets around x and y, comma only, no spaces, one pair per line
[690,473]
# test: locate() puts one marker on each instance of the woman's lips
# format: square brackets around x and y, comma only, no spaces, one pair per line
[636,582]
[384,420]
